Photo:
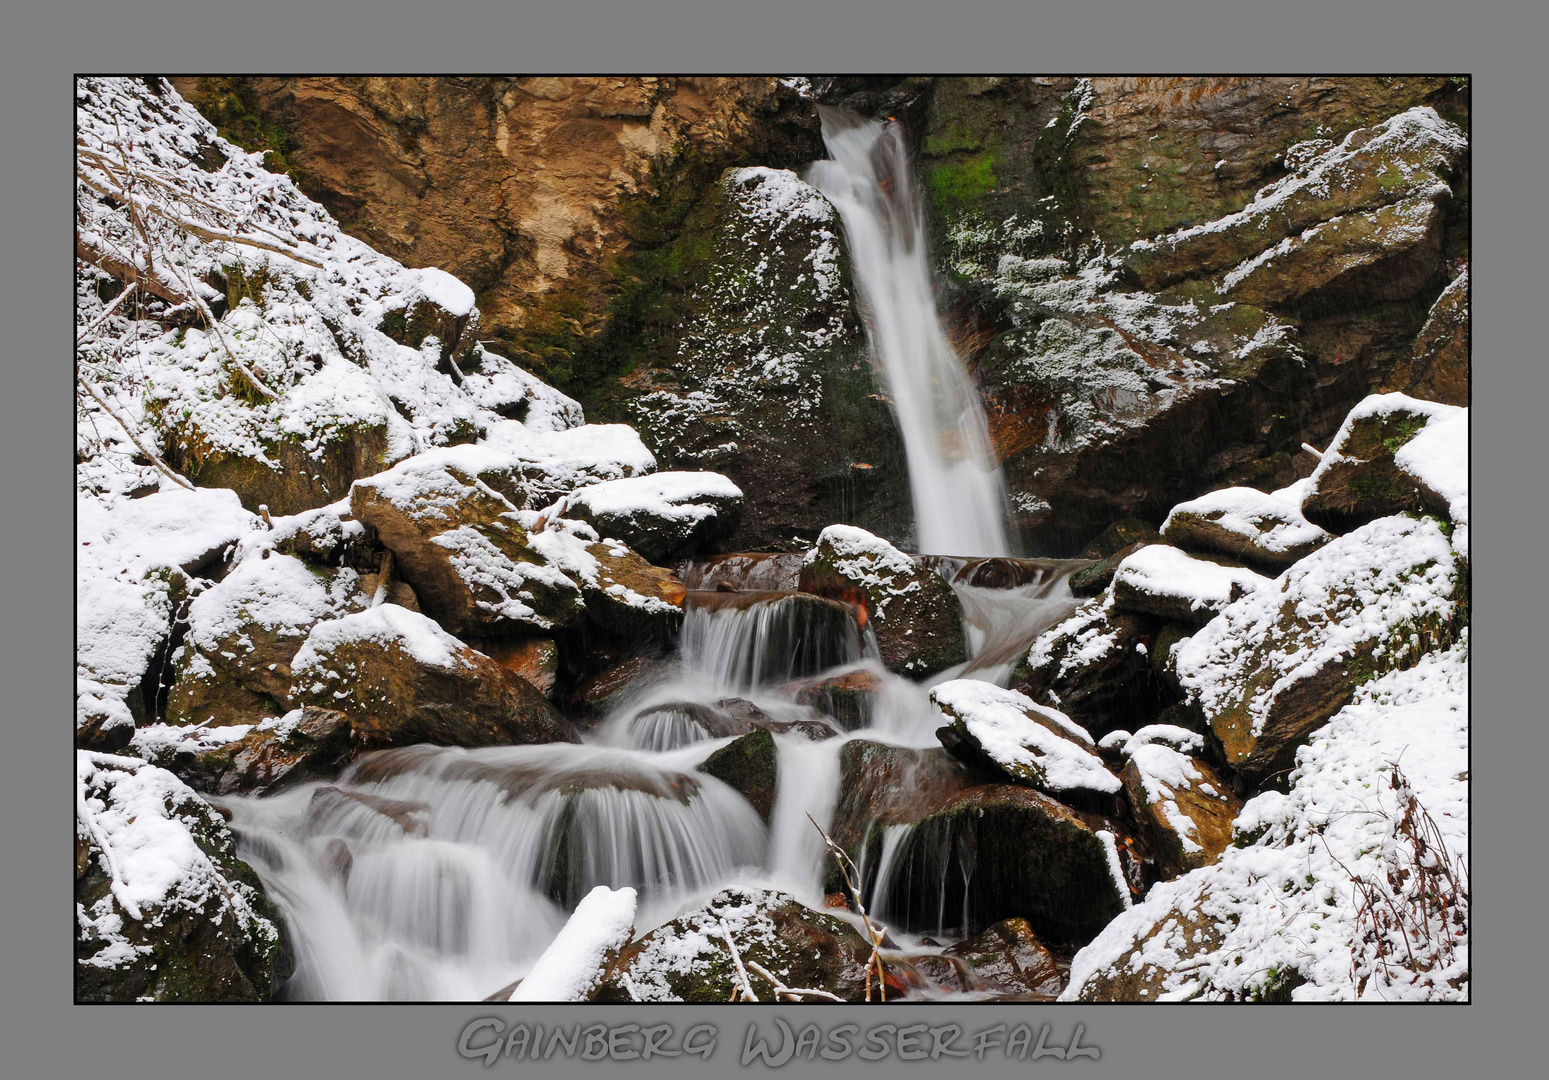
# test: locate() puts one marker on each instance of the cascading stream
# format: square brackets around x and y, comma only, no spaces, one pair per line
[955,481]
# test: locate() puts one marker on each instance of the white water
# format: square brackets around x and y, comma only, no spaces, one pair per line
[955,481]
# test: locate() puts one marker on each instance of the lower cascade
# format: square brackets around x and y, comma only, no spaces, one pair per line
[443,873]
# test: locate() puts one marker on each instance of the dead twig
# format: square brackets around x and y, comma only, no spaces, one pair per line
[873,936]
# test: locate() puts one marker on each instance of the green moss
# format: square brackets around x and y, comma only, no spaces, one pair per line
[955,186]
[232,106]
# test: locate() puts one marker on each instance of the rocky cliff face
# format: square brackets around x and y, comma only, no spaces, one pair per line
[1145,274]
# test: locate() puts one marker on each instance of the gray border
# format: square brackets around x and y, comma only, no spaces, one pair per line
[46,1035]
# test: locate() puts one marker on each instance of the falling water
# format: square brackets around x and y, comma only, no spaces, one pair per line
[959,496]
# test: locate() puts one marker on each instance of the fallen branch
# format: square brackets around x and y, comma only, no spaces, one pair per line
[796,993]
[742,973]
[155,458]
[874,962]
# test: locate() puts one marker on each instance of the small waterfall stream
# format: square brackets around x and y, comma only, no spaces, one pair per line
[437,873]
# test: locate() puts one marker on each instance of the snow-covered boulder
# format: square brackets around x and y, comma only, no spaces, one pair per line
[1275,665]
[1028,743]
[252,758]
[1095,667]
[165,911]
[402,679]
[689,959]
[660,515]
[1161,580]
[462,546]
[914,614]
[1358,479]
[233,666]
[1437,461]
[1183,807]
[1279,916]
[1246,524]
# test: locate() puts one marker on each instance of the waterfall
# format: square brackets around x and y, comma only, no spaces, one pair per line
[954,479]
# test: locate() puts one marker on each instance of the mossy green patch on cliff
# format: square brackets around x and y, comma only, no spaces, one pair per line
[232,106]
[955,186]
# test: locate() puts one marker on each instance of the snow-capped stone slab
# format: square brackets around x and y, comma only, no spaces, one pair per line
[1180,802]
[402,679]
[1246,524]
[1161,580]
[914,614]
[1357,479]
[1177,738]
[1027,742]
[1277,914]
[659,515]
[1279,662]
[151,855]
[578,959]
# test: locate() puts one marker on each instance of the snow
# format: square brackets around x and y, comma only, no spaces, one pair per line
[1164,571]
[869,561]
[279,594]
[572,967]
[1263,520]
[666,496]
[1438,458]
[1171,735]
[390,626]
[1284,901]
[1360,589]
[1000,720]
[1163,771]
[437,286]
[1091,638]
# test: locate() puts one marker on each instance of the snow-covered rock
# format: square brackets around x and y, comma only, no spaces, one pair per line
[1275,665]
[1437,460]
[1161,580]
[1182,805]
[1244,523]
[574,964]
[1095,667]
[914,614]
[1031,744]
[165,911]
[1279,915]
[659,515]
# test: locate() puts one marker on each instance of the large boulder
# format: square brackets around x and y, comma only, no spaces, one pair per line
[233,666]
[462,547]
[1246,524]
[1160,580]
[688,959]
[165,911]
[661,515]
[1276,664]
[1007,733]
[747,764]
[401,679]
[1008,958]
[1357,479]
[967,848]
[1436,460]
[1438,363]
[752,362]
[914,614]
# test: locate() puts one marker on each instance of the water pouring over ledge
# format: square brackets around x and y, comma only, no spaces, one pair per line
[954,479]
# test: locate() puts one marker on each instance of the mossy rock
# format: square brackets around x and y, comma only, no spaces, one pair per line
[295,481]
[748,765]
[1358,480]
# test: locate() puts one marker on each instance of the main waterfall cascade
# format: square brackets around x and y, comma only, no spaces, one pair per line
[438,873]
[954,479]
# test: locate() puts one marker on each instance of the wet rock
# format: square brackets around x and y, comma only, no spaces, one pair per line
[330,806]
[914,614]
[402,679]
[200,928]
[661,515]
[1095,667]
[603,691]
[1121,536]
[535,660]
[673,723]
[305,744]
[1162,581]
[1246,524]
[1357,480]
[459,544]
[797,634]
[1095,579]
[1006,733]
[1008,958]
[1277,664]
[756,571]
[747,764]
[992,851]
[1183,807]
[688,959]
[847,697]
